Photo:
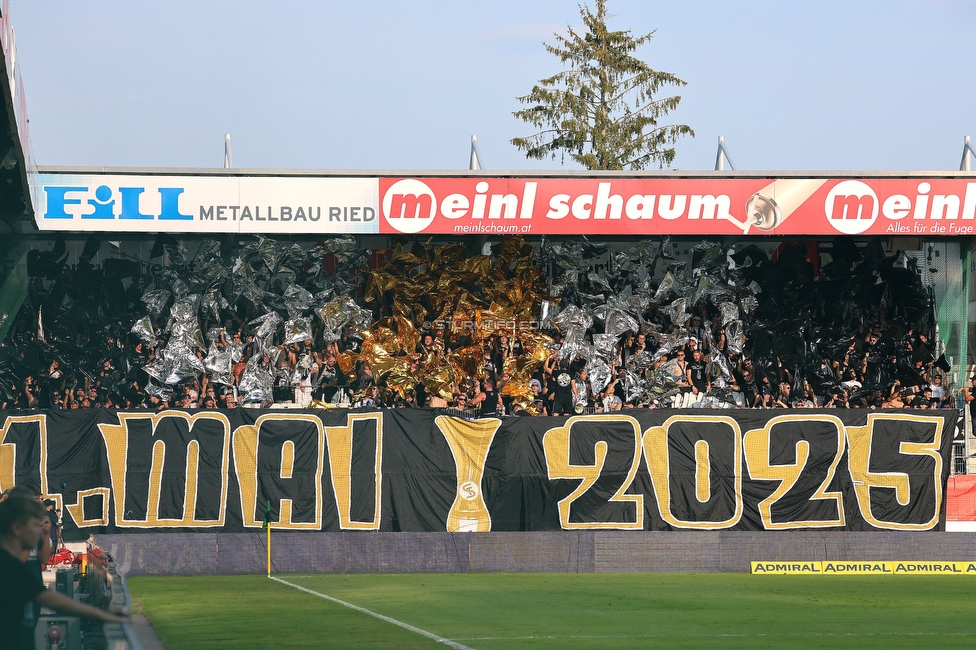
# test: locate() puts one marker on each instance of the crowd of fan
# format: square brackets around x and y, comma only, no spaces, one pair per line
[565,390]
[557,389]
[880,355]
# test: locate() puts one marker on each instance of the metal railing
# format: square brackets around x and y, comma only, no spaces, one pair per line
[108,591]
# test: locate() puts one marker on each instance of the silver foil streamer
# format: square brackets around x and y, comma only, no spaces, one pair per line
[572,317]
[677,312]
[643,253]
[599,374]
[573,346]
[345,249]
[733,337]
[143,329]
[213,302]
[329,335]
[598,282]
[337,312]
[664,374]
[302,369]
[707,287]
[322,297]
[620,322]
[359,322]
[548,311]
[668,287]
[604,346]
[273,354]
[250,290]
[158,369]
[573,322]
[643,286]
[174,254]
[298,330]
[180,289]
[729,312]
[718,368]
[187,333]
[183,310]
[640,361]
[257,382]
[663,385]
[297,300]
[215,334]
[634,386]
[710,252]
[236,350]
[671,343]
[268,251]
[218,363]
[155,301]
[267,325]
[162,392]
[185,364]
[749,304]
[207,253]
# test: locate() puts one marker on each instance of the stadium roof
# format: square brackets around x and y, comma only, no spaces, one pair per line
[16,159]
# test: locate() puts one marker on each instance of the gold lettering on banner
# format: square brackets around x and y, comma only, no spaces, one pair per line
[8,450]
[556,443]
[340,463]
[757,443]
[8,463]
[469,441]
[703,478]
[287,459]
[117,448]
[659,464]
[246,439]
[77,510]
[860,442]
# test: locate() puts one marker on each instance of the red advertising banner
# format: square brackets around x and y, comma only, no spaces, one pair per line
[961,498]
[678,206]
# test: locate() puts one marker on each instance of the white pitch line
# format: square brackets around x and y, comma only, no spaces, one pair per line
[406,626]
[716,635]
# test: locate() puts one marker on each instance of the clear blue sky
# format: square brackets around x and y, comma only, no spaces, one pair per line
[855,85]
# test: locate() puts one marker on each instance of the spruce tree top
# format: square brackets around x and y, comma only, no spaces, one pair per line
[603,111]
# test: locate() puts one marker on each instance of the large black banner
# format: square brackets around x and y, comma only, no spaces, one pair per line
[423,470]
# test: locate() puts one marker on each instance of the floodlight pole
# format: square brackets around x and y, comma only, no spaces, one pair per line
[475,162]
[723,156]
[228,154]
[967,152]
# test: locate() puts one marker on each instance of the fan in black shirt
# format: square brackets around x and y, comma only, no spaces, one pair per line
[698,377]
[563,390]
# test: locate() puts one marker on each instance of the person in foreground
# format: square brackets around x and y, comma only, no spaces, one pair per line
[20,530]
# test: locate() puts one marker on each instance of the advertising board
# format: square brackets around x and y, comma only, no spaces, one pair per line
[526,205]
[207,204]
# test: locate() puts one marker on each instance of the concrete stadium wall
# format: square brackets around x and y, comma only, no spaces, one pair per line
[548,552]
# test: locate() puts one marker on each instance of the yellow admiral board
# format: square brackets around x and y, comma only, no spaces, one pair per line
[864,568]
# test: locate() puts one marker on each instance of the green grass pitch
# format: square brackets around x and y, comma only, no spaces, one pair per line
[489,611]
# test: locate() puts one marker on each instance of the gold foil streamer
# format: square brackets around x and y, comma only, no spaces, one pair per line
[466,300]
[347,362]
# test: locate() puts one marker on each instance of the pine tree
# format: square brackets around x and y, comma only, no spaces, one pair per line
[603,110]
